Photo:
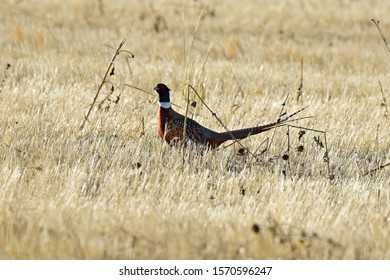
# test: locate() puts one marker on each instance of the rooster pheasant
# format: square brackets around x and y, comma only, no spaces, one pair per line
[171,125]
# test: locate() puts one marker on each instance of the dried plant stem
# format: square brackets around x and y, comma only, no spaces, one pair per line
[7,66]
[138,88]
[326,156]
[185,120]
[194,35]
[264,150]
[218,119]
[376,169]
[282,113]
[384,103]
[300,88]
[104,80]
[186,114]
[148,92]
[376,22]
[184,38]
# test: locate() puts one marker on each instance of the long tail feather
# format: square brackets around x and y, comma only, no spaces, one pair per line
[243,133]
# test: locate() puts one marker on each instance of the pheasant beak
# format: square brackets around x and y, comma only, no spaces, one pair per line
[156,88]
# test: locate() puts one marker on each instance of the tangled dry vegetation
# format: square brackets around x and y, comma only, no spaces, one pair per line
[113,190]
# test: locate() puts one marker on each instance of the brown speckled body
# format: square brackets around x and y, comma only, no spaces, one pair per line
[171,125]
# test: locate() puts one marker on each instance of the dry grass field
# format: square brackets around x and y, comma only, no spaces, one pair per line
[114,190]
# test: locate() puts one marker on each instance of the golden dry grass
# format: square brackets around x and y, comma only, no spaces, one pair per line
[115,191]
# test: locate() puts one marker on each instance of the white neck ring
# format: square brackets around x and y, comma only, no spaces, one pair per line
[165,105]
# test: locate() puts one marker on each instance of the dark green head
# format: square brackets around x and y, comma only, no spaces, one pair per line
[163,92]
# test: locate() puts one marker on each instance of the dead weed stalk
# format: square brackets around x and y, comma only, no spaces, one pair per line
[110,71]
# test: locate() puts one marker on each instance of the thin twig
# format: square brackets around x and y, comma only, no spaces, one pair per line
[305,128]
[280,115]
[288,140]
[138,88]
[148,92]
[376,169]
[300,88]
[195,31]
[326,156]
[109,68]
[7,66]
[263,151]
[376,22]
[384,104]
[108,95]
[218,119]
[286,156]
[184,40]
[185,119]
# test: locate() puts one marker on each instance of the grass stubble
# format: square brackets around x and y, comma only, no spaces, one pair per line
[113,190]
